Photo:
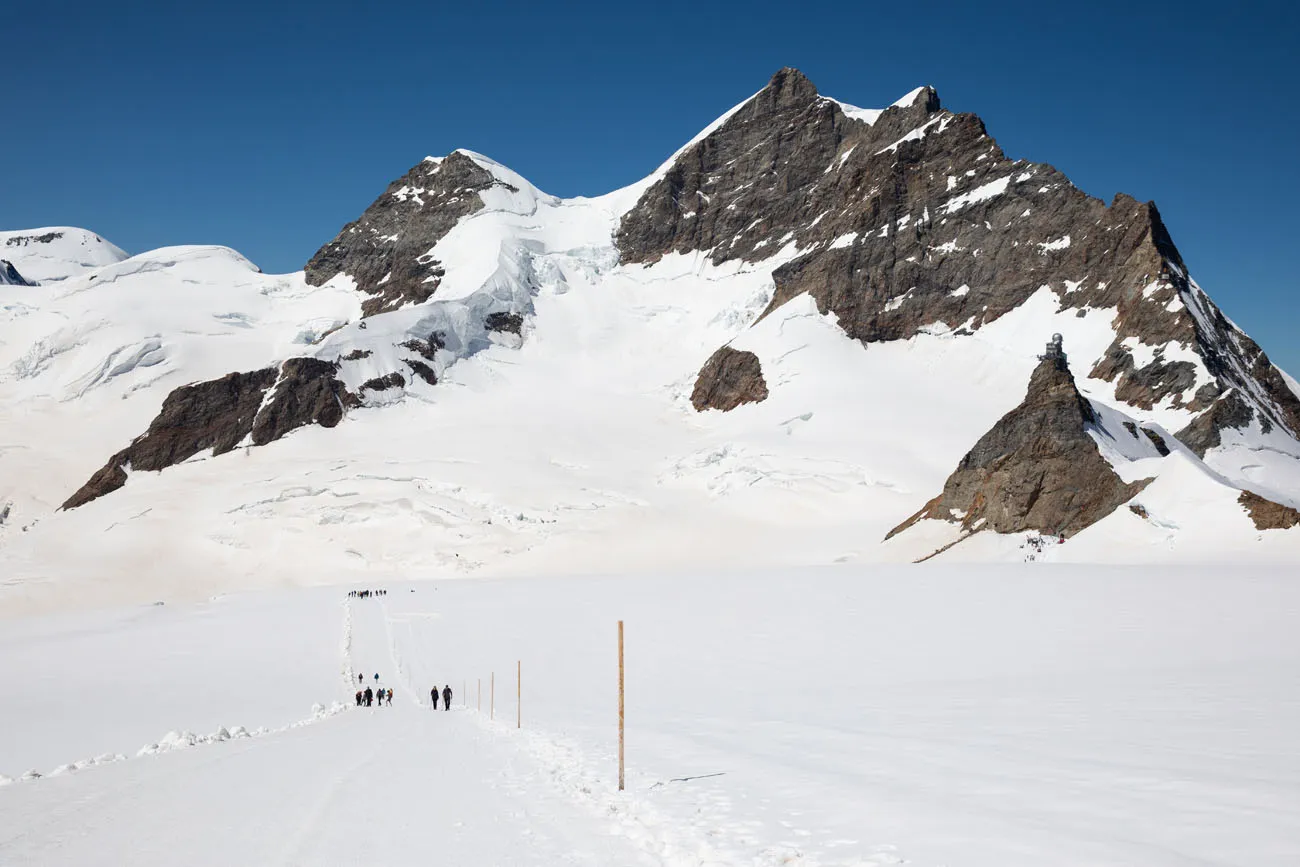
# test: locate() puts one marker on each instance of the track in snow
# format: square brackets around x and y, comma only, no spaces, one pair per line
[386,785]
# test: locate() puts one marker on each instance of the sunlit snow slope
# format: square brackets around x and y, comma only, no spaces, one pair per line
[543,422]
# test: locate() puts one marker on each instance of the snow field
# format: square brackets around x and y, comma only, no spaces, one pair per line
[934,716]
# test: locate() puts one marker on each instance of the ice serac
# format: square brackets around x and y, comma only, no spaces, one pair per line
[259,407]
[730,378]
[1036,469]
[387,249]
[917,221]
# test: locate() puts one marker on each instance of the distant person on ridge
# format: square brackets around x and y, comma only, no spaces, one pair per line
[446,698]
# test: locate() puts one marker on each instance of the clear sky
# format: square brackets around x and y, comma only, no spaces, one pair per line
[266,126]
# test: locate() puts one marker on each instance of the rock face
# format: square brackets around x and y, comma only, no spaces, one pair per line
[307,392]
[220,414]
[1036,469]
[214,415]
[9,275]
[386,249]
[1267,514]
[917,220]
[728,379]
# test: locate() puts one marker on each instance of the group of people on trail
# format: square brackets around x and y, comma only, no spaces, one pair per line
[446,697]
[366,594]
[377,698]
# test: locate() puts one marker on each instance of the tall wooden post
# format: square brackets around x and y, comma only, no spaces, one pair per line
[620,705]
[519,694]
[492,697]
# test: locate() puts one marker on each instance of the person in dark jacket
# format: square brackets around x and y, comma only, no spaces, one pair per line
[358,698]
[446,697]
[389,697]
[370,696]
[433,694]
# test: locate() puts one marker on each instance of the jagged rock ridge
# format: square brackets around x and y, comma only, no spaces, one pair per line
[222,414]
[386,249]
[919,219]
[1036,469]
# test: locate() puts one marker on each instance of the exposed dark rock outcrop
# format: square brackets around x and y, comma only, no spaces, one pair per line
[357,355]
[1203,434]
[214,415]
[501,321]
[308,392]
[728,379]
[219,414]
[1158,441]
[1267,514]
[422,370]
[383,383]
[9,275]
[918,220]
[1036,469]
[386,249]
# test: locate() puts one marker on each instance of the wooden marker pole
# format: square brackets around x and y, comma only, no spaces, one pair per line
[620,705]
[519,694]
[492,697]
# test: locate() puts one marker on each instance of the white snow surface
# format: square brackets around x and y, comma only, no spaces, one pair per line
[71,253]
[562,452]
[992,716]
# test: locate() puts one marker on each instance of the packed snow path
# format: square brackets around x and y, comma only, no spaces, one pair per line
[381,785]
[936,717]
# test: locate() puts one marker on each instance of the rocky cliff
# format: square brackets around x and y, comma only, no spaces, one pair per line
[1036,469]
[387,249]
[728,379]
[916,219]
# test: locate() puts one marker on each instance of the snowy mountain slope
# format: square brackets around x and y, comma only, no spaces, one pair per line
[507,376]
[56,253]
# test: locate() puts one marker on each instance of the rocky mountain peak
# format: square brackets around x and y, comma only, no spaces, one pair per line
[386,249]
[787,88]
[1037,468]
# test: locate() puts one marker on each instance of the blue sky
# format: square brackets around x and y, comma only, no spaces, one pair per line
[266,129]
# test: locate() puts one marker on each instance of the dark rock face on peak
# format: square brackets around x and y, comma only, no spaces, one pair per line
[728,379]
[1036,469]
[1268,515]
[307,392]
[214,415]
[917,220]
[9,275]
[760,177]
[219,414]
[386,249]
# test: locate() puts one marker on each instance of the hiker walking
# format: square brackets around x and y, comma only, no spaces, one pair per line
[370,696]
[446,697]
[433,694]
[358,698]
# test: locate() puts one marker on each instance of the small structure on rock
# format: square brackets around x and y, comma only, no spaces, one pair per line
[1055,352]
